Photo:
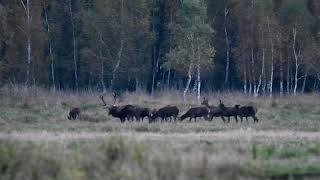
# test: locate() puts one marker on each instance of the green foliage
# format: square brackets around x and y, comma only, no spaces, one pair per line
[294,11]
[192,37]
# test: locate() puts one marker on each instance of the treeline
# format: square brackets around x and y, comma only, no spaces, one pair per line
[257,46]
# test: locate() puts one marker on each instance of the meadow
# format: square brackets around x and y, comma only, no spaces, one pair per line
[38,142]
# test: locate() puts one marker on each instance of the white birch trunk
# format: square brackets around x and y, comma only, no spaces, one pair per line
[294,30]
[272,62]
[188,82]
[116,67]
[119,54]
[199,84]
[199,75]
[195,85]
[245,81]
[261,75]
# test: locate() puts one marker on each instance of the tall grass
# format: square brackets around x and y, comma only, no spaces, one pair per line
[117,157]
[36,108]
[38,142]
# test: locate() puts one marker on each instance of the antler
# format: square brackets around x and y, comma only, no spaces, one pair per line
[114,95]
[104,103]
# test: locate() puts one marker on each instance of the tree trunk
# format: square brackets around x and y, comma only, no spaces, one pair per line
[281,80]
[272,62]
[253,74]
[245,81]
[188,82]
[199,83]
[288,72]
[116,67]
[195,85]
[119,54]
[50,50]
[304,80]
[155,69]
[261,75]
[226,80]
[199,80]
[168,78]
[27,9]
[294,30]
[75,63]
[104,89]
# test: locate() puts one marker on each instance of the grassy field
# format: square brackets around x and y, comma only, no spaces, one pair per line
[38,142]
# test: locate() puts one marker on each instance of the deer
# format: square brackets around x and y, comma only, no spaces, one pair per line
[229,111]
[74,113]
[213,110]
[247,111]
[194,113]
[141,113]
[121,112]
[164,113]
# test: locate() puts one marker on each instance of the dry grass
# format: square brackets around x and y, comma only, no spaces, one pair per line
[38,142]
[23,109]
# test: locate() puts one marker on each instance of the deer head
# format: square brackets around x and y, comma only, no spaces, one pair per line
[205,101]
[221,105]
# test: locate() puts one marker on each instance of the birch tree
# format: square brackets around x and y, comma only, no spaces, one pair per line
[193,51]
[74,43]
[27,31]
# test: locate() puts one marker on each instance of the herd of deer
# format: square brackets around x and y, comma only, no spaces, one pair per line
[170,113]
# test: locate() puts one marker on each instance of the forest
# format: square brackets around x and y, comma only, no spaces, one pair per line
[259,47]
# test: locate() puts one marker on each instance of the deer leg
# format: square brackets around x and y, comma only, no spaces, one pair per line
[228,119]
[255,119]
[247,119]
[241,119]
[223,119]
[235,117]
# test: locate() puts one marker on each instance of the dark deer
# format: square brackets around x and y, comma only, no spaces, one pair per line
[247,111]
[213,110]
[196,112]
[74,114]
[164,113]
[141,113]
[121,112]
[228,111]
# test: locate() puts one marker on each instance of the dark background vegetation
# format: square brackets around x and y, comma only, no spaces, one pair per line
[258,46]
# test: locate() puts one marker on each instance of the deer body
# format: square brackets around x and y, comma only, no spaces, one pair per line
[74,114]
[248,111]
[165,112]
[213,110]
[196,112]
